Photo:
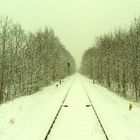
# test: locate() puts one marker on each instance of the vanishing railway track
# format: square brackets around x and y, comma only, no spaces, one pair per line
[89,105]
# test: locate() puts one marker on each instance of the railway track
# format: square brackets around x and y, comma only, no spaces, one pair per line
[88,104]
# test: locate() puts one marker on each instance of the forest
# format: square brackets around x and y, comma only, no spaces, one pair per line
[30,60]
[114,61]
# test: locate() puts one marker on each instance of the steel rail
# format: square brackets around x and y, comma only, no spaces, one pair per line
[60,108]
[91,104]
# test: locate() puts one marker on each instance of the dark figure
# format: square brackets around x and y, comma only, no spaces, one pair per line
[56,85]
[60,82]
[130,106]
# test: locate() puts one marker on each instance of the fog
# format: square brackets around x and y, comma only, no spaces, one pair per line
[75,22]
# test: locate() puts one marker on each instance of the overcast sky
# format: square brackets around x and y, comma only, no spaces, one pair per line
[75,22]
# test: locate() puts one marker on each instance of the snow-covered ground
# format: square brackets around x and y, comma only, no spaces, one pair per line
[76,122]
[118,121]
[29,117]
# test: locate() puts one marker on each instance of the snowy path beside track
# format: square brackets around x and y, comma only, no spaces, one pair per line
[118,121]
[31,115]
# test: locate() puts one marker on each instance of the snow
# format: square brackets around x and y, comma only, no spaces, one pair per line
[76,122]
[29,117]
[118,121]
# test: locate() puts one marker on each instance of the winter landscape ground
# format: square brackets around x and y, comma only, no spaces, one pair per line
[29,117]
[43,43]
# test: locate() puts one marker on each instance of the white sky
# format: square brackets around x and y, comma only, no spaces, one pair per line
[75,22]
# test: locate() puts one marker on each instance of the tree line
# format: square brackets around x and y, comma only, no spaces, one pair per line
[30,60]
[114,61]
